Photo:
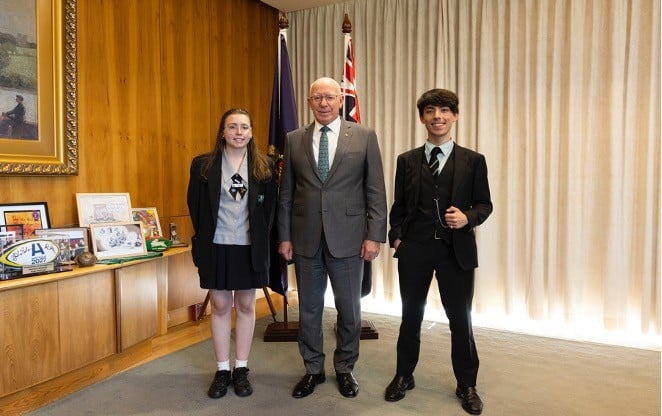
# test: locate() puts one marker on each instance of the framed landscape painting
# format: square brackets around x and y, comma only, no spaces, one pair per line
[38,134]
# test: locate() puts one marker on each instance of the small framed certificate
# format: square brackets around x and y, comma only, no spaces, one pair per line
[98,208]
[30,215]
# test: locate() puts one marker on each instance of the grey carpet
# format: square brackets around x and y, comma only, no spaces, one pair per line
[519,375]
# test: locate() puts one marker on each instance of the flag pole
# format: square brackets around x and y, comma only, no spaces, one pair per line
[350,98]
[285,330]
[347,30]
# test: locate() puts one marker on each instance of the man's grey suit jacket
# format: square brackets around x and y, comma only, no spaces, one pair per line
[348,208]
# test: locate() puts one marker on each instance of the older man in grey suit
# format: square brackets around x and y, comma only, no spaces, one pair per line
[332,217]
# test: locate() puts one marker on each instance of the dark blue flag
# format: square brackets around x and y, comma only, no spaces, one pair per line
[283,120]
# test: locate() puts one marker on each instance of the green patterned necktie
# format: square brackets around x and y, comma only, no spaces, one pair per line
[323,156]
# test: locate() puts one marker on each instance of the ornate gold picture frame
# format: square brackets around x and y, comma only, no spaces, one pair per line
[55,151]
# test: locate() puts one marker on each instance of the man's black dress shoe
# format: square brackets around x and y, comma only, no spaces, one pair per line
[307,384]
[219,386]
[471,401]
[347,384]
[396,390]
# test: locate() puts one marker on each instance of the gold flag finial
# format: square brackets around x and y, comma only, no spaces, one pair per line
[283,23]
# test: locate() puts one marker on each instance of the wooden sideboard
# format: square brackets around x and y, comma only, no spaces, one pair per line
[55,323]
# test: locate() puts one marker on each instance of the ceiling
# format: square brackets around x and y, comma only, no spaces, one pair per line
[292,5]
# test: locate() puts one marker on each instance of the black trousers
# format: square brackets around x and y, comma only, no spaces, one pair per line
[416,263]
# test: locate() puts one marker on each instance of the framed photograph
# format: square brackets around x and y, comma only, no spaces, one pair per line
[38,84]
[6,238]
[117,240]
[97,208]
[150,219]
[31,216]
[78,239]
[15,229]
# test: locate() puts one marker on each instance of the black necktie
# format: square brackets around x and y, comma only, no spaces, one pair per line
[433,163]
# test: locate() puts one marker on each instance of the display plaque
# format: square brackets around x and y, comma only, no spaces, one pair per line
[31,256]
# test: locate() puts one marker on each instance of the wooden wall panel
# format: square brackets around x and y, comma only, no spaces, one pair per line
[245,65]
[154,77]
[183,283]
[29,338]
[136,289]
[87,319]
[188,129]
[120,99]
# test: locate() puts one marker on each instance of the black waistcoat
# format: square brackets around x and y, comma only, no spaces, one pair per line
[426,225]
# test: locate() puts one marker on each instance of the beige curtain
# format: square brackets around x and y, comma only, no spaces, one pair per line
[563,99]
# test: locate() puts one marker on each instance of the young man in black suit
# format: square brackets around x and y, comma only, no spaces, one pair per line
[441,194]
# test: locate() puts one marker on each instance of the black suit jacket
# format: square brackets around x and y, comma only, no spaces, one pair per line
[470,193]
[203,198]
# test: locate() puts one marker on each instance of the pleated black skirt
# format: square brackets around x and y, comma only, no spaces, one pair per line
[234,270]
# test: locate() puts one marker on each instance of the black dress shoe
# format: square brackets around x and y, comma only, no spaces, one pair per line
[219,386]
[396,390]
[347,384]
[471,401]
[307,384]
[242,387]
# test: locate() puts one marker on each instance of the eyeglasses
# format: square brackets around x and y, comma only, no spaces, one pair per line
[318,98]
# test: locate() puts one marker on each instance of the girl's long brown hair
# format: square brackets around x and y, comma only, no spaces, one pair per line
[261,163]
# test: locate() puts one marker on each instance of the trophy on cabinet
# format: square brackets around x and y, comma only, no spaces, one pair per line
[174,240]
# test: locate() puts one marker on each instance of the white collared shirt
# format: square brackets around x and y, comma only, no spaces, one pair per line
[446,149]
[332,136]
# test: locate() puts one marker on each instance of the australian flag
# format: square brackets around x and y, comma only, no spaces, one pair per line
[350,110]
[283,120]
